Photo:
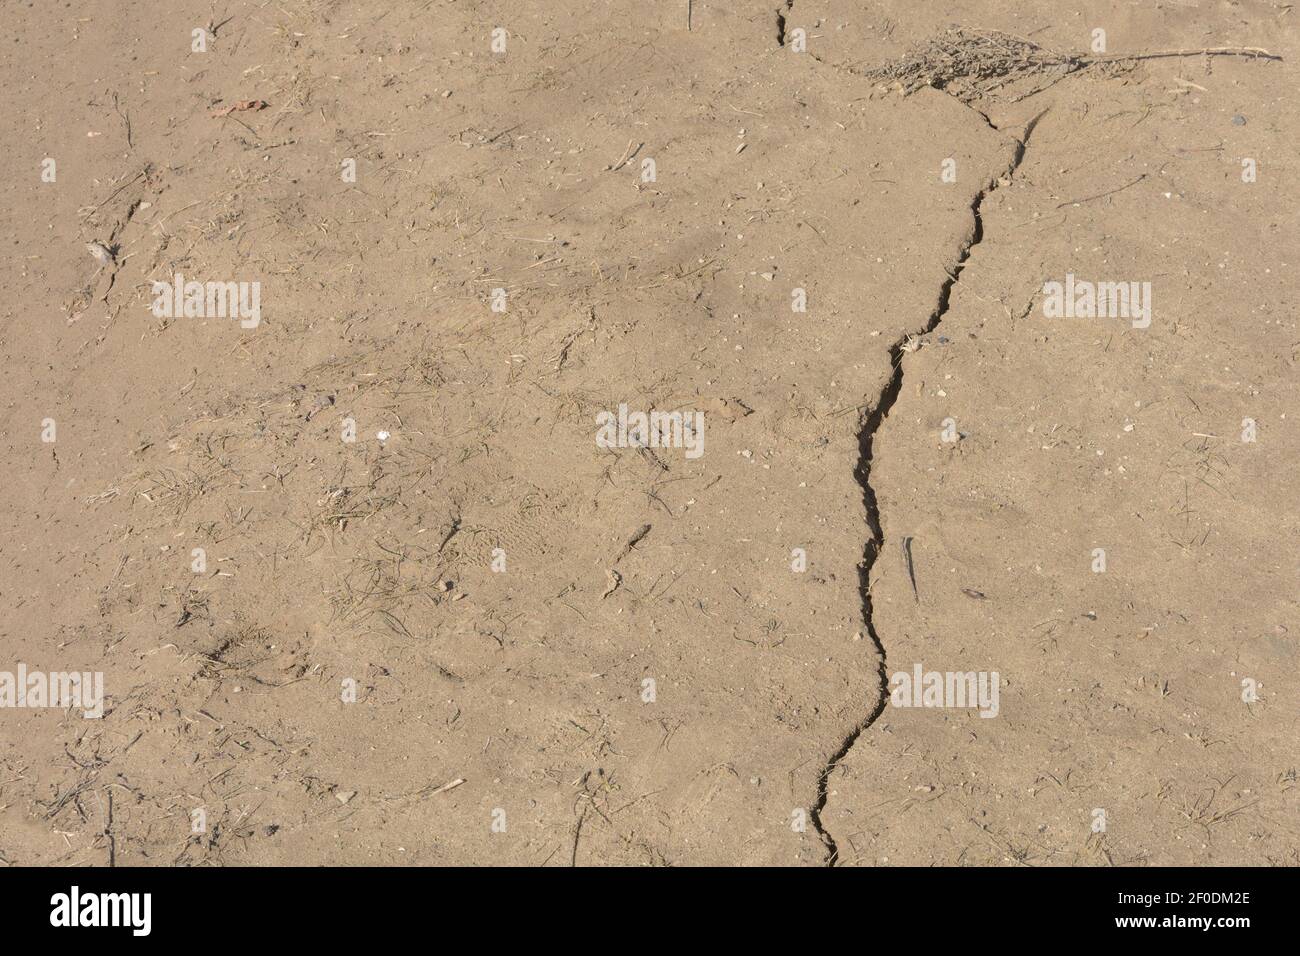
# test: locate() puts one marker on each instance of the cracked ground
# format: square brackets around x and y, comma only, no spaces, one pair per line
[483,638]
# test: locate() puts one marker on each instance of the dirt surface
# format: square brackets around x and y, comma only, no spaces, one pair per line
[365,584]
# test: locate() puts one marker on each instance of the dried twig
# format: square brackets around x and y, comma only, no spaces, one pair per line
[970,64]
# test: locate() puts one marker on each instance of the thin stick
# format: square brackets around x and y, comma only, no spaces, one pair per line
[1073,202]
[114,193]
[447,786]
[1251,51]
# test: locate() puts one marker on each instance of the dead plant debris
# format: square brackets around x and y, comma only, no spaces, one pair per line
[971,64]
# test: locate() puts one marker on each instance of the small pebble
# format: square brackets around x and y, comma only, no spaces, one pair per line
[101,252]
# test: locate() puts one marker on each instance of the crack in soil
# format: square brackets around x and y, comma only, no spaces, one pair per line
[871,424]
[782,12]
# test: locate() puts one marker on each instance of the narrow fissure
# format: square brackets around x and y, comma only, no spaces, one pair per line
[871,424]
[781,13]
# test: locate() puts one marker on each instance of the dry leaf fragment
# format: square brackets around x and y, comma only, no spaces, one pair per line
[240,107]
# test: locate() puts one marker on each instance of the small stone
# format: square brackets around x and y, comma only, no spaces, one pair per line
[1238,120]
[101,252]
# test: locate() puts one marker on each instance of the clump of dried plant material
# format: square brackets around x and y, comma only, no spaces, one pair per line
[973,64]
[970,65]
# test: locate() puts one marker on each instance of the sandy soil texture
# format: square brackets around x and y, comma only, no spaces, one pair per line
[593,432]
